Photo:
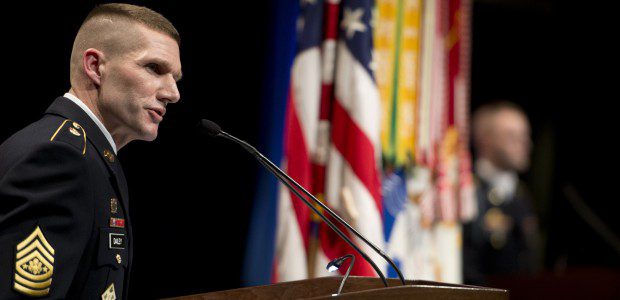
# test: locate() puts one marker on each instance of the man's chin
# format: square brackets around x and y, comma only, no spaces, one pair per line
[144,132]
[149,135]
[522,167]
[518,166]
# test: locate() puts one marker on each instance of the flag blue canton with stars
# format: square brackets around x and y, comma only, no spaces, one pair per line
[310,25]
[356,30]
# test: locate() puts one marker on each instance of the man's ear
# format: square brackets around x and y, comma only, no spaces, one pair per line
[92,61]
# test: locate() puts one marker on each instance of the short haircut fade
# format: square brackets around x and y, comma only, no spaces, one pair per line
[139,14]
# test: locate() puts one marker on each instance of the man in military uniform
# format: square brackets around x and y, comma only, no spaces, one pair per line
[65,231]
[502,239]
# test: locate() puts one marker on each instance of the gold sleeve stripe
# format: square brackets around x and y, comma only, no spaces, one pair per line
[34,264]
[57,130]
[26,261]
[30,292]
[84,132]
[36,233]
[36,245]
[31,284]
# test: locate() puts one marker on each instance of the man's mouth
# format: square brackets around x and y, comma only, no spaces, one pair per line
[157,113]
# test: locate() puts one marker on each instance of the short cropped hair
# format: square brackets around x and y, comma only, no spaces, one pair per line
[139,14]
[108,28]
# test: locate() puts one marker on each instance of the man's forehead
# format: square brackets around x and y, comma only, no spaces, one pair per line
[510,121]
[166,56]
[510,115]
[158,41]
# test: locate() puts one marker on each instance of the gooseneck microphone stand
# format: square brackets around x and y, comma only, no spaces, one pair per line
[212,129]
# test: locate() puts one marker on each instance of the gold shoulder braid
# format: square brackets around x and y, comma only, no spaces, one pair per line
[34,265]
[57,130]
[75,129]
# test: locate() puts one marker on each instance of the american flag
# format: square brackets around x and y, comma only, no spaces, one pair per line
[352,174]
[301,128]
[331,146]
[331,138]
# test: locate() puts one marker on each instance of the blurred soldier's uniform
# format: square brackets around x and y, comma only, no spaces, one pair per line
[497,241]
[503,238]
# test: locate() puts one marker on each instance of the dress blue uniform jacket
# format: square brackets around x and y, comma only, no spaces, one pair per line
[482,260]
[65,231]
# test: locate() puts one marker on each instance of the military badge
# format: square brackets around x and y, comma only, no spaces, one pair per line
[113,205]
[109,293]
[74,131]
[498,224]
[117,223]
[34,265]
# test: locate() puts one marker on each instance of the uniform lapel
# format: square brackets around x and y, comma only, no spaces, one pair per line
[67,109]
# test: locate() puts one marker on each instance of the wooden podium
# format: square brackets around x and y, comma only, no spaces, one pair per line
[356,288]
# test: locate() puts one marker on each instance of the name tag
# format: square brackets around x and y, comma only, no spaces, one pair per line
[117,241]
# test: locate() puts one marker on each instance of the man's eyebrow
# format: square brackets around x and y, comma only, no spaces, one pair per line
[166,64]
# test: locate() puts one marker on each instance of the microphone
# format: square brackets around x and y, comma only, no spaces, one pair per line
[213,130]
[209,128]
[335,264]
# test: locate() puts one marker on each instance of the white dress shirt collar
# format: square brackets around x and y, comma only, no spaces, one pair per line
[85,108]
[504,182]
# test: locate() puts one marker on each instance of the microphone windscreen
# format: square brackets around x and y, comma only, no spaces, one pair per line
[209,127]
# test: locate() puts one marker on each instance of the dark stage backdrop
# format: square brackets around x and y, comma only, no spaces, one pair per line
[553,59]
[191,197]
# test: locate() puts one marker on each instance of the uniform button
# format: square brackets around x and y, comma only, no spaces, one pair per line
[118,258]
[109,155]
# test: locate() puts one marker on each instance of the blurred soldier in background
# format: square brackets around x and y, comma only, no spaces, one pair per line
[502,239]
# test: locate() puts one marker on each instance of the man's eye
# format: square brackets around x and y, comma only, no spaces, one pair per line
[153,67]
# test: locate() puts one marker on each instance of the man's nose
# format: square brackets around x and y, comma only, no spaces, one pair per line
[170,92]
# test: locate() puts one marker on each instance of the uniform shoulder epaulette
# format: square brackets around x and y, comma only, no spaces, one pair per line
[71,133]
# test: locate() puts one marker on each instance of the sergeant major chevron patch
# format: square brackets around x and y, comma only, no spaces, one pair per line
[34,265]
